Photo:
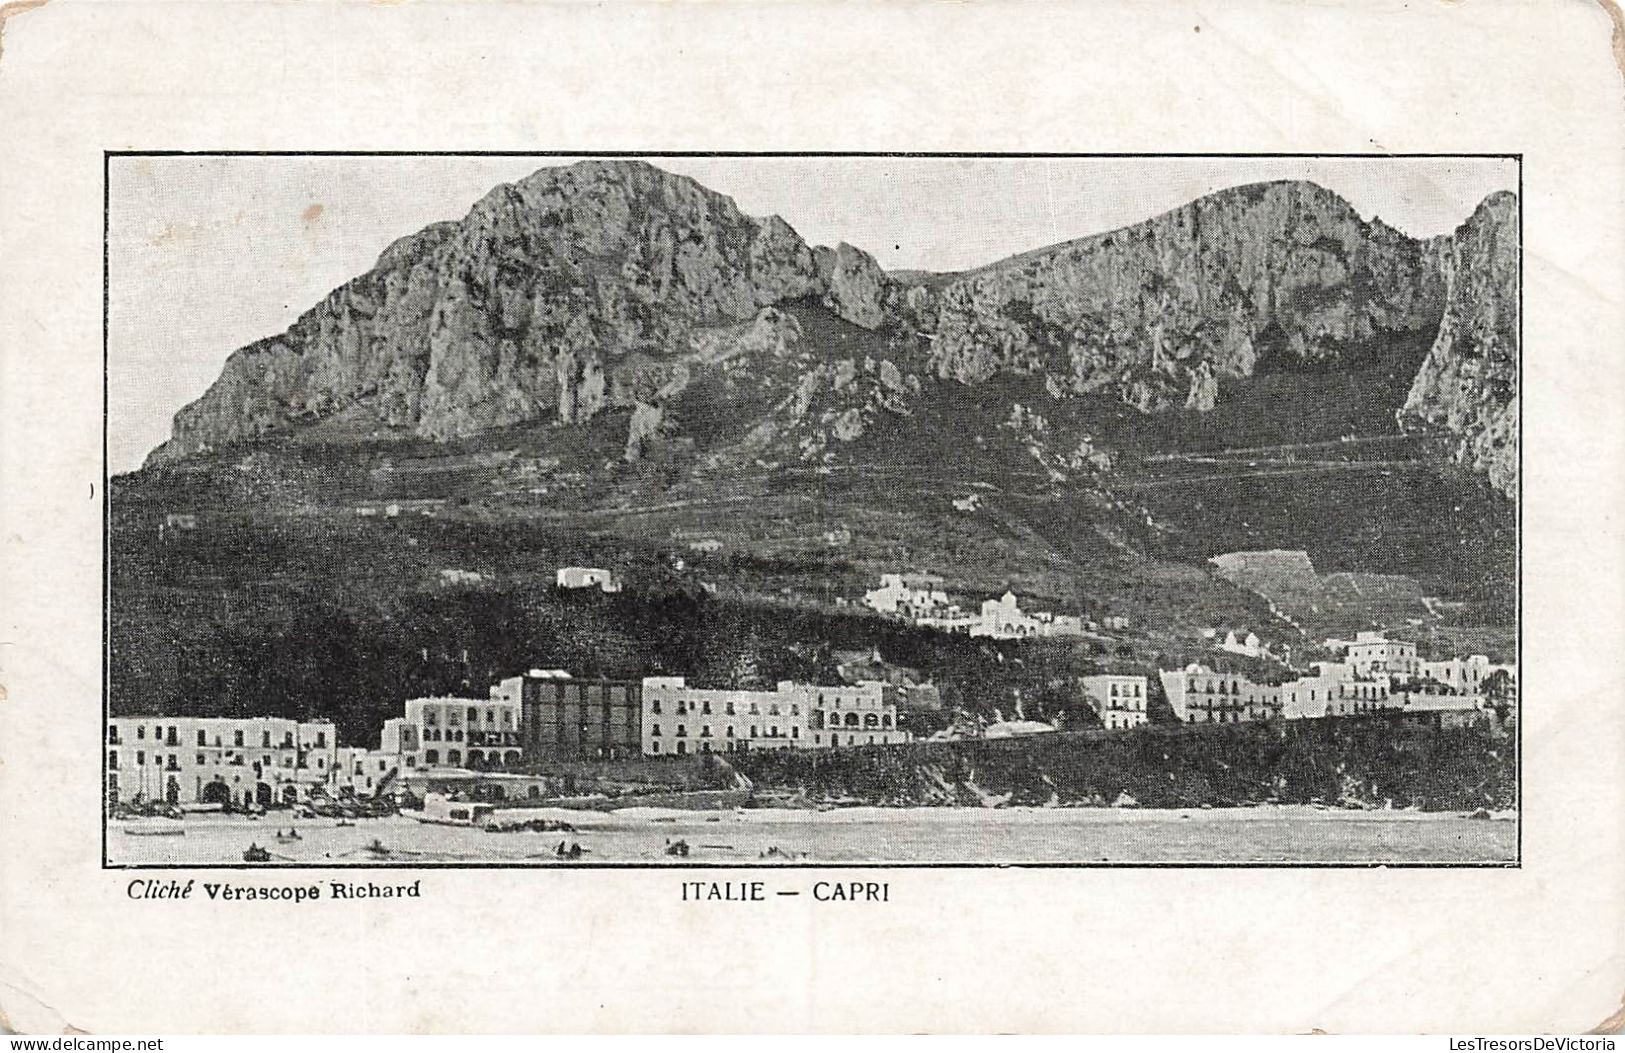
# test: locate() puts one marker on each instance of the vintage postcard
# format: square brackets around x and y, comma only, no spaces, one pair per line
[699,518]
[610,523]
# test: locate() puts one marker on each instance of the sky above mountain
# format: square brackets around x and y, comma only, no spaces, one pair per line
[207,254]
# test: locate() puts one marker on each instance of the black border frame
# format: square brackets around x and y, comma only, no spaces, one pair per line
[681,868]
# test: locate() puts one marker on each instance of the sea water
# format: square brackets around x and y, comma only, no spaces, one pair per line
[1268,834]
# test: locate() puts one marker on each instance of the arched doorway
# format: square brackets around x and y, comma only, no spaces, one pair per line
[172,791]
[511,758]
[263,794]
[216,792]
[290,794]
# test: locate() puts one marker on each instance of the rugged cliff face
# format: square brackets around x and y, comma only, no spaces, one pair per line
[1468,385]
[545,302]
[1155,312]
[609,283]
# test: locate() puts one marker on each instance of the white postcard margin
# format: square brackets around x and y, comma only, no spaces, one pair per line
[1537,948]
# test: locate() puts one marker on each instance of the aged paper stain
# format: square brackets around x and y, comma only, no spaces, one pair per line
[1615,1024]
[12,10]
[1618,16]
[312,214]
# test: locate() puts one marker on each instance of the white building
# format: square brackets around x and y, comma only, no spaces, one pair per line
[1250,647]
[1373,654]
[907,595]
[1119,701]
[1199,695]
[1003,619]
[587,578]
[218,760]
[678,719]
[473,733]
[1335,689]
[366,772]
[1466,676]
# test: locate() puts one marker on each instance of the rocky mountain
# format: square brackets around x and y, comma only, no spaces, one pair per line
[615,285]
[1468,385]
[1155,312]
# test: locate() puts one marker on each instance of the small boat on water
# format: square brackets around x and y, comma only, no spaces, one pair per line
[443,811]
[255,854]
[155,829]
[345,822]
[291,835]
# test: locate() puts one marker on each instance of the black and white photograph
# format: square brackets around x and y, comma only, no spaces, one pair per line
[755,510]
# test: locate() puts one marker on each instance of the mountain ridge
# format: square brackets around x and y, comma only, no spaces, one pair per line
[605,284]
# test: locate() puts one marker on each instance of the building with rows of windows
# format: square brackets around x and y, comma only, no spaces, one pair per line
[473,733]
[1198,695]
[1119,701]
[679,719]
[1373,654]
[218,760]
[562,718]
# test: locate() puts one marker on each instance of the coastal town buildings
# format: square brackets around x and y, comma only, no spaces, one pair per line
[1334,690]
[446,732]
[1373,654]
[1003,619]
[561,717]
[1250,647]
[1119,701]
[1442,710]
[679,719]
[919,598]
[364,772]
[217,760]
[1469,675]
[907,595]
[1200,695]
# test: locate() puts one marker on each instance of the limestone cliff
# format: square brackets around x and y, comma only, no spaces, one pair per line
[1153,312]
[600,285]
[1468,385]
[538,305]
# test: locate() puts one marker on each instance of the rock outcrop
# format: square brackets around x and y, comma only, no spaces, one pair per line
[858,290]
[1468,384]
[527,309]
[591,287]
[1150,311]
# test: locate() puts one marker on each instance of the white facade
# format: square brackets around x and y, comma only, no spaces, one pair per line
[477,733]
[587,578]
[1250,647]
[681,720]
[1464,675]
[907,595]
[1199,695]
[224,760]
[1003,619]
[1119,701]
[1373,654]
[364,771]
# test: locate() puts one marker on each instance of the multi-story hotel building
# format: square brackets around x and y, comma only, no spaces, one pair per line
[1199,695]
[678,719]
[1119,701]
[1372,654]
[563,718]
[474,733]
[218,760]
[864,714]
